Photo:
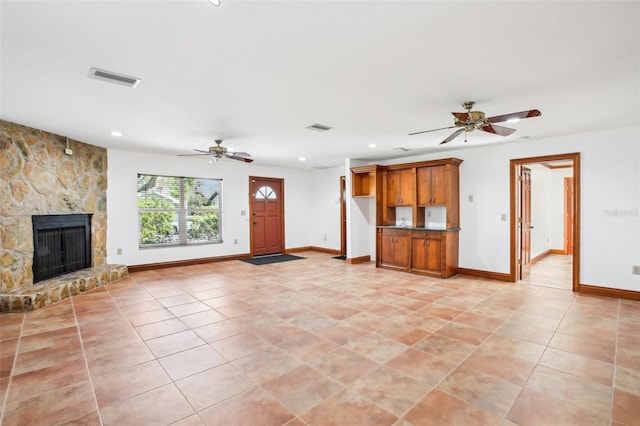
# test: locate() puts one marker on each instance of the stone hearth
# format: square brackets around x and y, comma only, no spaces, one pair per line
[56,289]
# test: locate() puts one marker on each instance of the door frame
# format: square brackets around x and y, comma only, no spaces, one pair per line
[524,208]
[568,215]
[514,192]
[343,216]
[281,181]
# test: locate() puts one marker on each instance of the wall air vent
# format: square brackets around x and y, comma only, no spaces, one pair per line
[319,127]
[113,77]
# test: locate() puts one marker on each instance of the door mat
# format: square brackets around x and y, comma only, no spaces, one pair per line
[265,260]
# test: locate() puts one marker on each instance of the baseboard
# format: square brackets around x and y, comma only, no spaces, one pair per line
[498,276]
[355,260]
[298,249]
[557,251]
[609,292]
[188,262]
[313,248]
[539,257]
[191,262]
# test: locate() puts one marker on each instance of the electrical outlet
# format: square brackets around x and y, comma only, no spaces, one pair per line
[235,241]
[119,251]
[470,198]
[503,217]
[325,237]
[636,270]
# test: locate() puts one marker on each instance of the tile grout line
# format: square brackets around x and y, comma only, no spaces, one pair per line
[86,362]
[13,365]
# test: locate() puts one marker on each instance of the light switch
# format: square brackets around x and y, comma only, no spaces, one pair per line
[243,212]
[470,198]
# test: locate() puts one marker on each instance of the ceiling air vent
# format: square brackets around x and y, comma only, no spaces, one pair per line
[113,77]
[319,127]
[402,149]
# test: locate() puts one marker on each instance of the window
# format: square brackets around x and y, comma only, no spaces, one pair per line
[179,210]
[266,192]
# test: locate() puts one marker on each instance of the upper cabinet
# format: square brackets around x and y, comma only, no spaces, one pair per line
[400,187]
[438,185]
[366,181]
[431,185]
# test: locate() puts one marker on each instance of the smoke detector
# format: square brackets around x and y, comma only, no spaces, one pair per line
[113,77]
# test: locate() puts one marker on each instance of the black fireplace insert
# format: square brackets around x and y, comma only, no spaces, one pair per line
[61,243]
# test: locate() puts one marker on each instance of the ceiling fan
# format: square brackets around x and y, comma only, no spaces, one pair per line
[476,120]
[218,151]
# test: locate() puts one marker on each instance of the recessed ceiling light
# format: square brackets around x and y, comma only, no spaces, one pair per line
[302,158]
[372,145]
[513,120]
[116,134]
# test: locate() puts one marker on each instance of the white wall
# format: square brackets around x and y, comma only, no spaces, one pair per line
[540,209]
[610,202]
[122,220]
[556,204]
[325,208]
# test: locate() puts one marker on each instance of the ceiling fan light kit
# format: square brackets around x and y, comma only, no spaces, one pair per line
[476,120]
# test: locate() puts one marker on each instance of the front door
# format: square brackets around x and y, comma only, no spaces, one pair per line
[525,223]
[267,216]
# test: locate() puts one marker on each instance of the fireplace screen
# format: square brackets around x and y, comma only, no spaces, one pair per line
[62,244]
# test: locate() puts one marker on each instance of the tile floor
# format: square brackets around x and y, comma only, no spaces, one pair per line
[320,342]
[554,270]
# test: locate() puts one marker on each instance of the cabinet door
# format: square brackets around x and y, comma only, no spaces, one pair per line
[402,251]
[393,187]
[438,185]
[386,249]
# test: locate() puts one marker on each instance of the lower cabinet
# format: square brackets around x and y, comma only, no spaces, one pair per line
[394,248]
[433,253]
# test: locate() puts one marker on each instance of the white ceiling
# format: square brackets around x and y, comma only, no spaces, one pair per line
[257,73]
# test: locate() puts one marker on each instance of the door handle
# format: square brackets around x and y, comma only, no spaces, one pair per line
[254,223]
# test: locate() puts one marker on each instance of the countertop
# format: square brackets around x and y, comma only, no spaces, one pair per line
[411,228]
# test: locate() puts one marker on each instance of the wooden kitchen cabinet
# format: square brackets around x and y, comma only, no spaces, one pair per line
[400,187]
[395,248]
[433,253]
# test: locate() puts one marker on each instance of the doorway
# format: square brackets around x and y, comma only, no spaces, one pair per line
[518,250]
[266,205]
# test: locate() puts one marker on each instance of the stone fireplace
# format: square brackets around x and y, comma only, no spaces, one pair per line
[38,178]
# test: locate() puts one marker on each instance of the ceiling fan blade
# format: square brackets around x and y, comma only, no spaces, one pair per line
[498,130]
[240,154]
[202,151]
[514,115]
[194,155]
[432,130]
[236,157]
[462,116]
[452,136]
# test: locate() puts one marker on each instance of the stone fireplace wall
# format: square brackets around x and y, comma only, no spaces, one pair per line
[37,177]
